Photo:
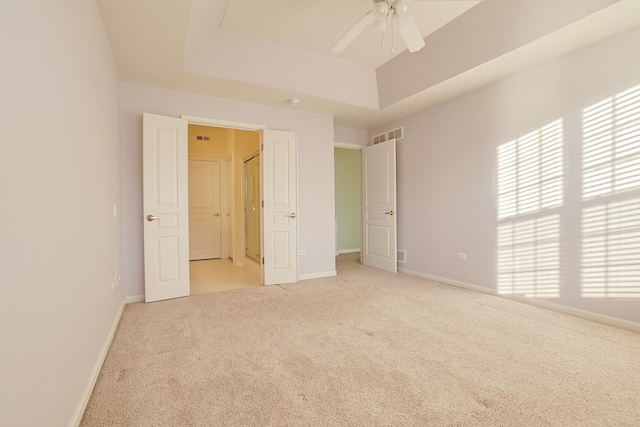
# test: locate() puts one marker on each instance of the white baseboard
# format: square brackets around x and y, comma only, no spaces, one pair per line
[317,275]
[134,298]
[252,266]
[625,324]
[348,251]
[82,405]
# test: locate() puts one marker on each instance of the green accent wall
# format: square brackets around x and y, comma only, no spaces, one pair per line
[348,179]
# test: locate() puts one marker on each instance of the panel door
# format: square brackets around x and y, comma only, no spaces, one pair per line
[165,204]
[279,189]
[379,247]
[204,209]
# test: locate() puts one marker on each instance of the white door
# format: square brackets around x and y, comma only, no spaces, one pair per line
[166,222]
[279,189]
[204,210]
[379,206]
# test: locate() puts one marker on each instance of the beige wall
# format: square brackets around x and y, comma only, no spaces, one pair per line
[217,148]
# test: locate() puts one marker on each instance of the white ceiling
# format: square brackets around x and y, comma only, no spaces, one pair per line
[318,24]
[269,51]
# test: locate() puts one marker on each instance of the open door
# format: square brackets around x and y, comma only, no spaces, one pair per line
[166,208]
[279,190]
[379,246]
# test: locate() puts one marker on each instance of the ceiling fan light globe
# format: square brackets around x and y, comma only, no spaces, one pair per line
[402,8]
[380,24]
[380,10]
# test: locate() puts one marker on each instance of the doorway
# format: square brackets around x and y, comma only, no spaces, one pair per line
[348,193]
[216,157]
[165,200]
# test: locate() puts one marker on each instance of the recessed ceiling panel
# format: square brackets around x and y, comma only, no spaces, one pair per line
[318,24]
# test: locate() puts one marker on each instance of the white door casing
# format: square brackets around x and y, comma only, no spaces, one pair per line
[379,246]
[205,217]
[252,207]
[279,192]
[166,210]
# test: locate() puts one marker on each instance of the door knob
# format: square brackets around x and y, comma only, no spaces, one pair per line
[216,214]
[389,212]
[292,215]
[152,218]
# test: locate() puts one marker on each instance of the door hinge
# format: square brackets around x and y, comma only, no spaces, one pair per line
[261,147]
[262,260]
[263,203]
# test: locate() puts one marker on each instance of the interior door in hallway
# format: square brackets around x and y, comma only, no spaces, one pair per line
[204,209]
[379,246]
[165,204]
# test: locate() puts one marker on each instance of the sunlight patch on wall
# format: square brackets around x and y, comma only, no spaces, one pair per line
[530,172]
[611,145]
[529,257]
[610,259]
[611,250]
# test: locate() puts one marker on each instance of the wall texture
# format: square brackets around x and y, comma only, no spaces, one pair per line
[447,170]
[316,234]
[60,244]
[348,172]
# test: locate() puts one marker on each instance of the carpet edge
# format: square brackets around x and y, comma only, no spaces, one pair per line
[601,318]
[82,404]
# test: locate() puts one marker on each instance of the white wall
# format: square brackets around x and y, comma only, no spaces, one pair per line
[447,167]
[315,169]
[349,135]
[59,177]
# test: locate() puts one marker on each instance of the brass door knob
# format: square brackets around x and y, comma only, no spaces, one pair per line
[152,218]
[292,215]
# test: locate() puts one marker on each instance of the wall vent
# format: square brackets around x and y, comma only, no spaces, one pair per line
[396,134]
[402,256]
[202,138]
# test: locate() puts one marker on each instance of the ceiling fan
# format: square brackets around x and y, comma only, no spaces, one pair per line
[393,13]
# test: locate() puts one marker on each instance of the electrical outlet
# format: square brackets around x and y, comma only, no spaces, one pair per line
[115,211]
[462,256]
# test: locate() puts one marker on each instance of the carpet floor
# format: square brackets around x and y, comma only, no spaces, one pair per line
[364,348]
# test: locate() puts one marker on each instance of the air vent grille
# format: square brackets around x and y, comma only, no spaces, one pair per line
[396,134]
[202,138]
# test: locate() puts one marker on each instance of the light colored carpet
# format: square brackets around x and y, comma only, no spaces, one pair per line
[365,348]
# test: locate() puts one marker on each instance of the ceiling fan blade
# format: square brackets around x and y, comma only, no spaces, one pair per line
[411,35]
[354,32]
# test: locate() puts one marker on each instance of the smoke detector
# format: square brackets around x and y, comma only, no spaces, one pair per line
[294,101]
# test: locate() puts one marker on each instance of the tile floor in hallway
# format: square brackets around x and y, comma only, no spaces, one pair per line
[214,275]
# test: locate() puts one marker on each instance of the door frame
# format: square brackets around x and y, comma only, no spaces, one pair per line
[207,121]
[252,265]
